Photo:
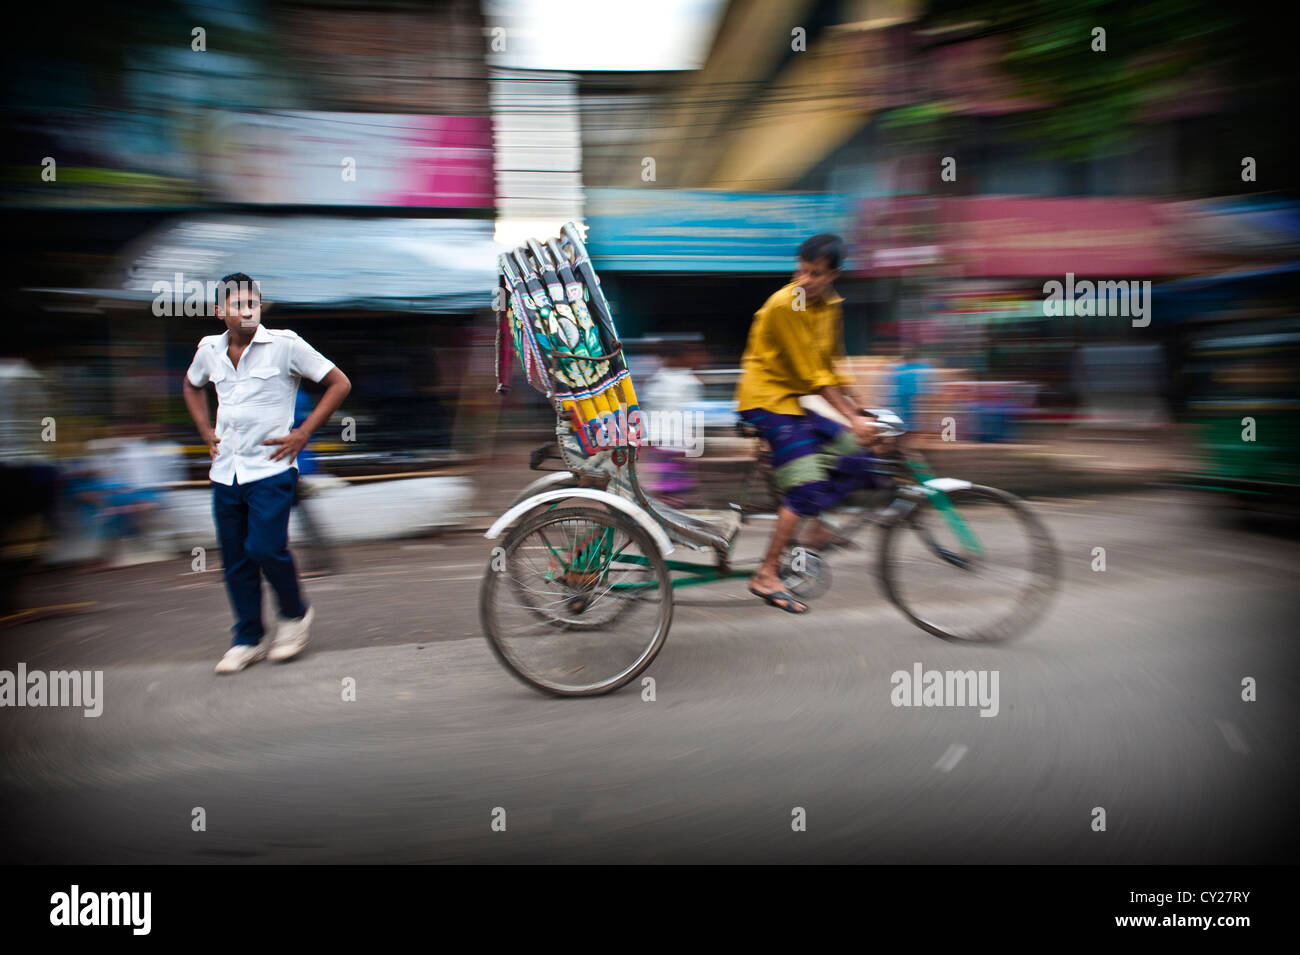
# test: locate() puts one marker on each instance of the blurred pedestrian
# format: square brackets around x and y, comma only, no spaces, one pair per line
[134,469]
[911,384]
[254,448]
[668,396]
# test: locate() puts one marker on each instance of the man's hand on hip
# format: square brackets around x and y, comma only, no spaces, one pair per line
[290,445]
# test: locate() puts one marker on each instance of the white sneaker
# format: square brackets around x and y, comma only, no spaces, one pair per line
[240,656]
[291,637]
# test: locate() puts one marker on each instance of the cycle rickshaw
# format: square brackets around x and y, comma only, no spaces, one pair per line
[577,599]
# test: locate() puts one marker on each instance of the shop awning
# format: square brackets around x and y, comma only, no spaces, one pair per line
[412,265]
[1228,290]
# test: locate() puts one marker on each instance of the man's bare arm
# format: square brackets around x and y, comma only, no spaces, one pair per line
[196,400]
[841,401]
[863,427]
[337,387]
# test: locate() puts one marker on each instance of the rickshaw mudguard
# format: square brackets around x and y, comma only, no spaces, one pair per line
[643,519]
[944,484]
[549,482]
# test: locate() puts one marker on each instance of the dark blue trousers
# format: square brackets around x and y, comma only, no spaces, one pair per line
[253,528]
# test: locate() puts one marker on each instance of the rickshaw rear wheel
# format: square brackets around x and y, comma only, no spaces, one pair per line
[576,592]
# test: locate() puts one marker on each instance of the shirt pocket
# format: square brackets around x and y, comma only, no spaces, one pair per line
[266,385]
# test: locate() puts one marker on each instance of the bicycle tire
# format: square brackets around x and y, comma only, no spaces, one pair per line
[1031,604]
[498,641]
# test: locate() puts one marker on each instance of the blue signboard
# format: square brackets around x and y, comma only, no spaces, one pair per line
[688,230]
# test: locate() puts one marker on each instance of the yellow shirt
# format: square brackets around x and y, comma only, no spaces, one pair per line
[790,353]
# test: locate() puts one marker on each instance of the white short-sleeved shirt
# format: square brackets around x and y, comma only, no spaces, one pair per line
[256,400]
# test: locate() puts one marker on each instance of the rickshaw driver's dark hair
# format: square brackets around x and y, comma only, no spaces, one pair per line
[824,245]
[235,282]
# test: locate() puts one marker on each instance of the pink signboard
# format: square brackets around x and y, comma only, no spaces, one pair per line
[997,236]
[1016,237]
[898,235]
[342,159]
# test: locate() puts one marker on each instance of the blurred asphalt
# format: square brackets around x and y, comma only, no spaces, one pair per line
[1126,697]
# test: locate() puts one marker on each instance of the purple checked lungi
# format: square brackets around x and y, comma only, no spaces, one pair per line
[816,462]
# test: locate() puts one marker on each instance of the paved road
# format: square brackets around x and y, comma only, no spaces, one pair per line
[1127,697]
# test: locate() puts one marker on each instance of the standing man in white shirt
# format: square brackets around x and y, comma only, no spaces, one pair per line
[254,449]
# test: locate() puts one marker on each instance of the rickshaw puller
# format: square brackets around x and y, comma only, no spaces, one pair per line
[793,343]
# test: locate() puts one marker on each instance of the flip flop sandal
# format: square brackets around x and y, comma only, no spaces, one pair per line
[777,595]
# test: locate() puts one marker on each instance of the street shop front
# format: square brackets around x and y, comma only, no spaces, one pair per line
[398,304]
